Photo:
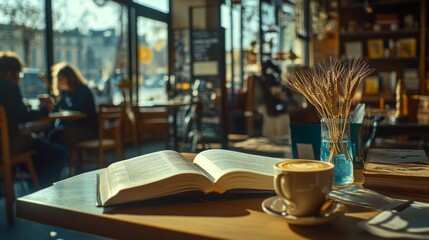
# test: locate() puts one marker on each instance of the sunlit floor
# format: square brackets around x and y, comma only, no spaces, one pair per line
[24,229]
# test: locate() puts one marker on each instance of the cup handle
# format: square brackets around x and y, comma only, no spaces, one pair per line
[290,204]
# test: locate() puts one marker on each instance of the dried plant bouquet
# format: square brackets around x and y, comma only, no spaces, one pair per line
[330,88]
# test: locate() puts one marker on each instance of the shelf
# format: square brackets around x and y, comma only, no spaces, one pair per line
[392,60]
[352,16]
[359,4]
[381,34]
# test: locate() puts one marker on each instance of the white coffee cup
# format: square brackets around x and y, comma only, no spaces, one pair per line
[303,185]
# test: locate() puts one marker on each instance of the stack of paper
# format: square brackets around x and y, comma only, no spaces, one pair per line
[404,171]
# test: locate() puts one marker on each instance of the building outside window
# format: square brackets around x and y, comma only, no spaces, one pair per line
[95,37]
[22,30]
[152,59]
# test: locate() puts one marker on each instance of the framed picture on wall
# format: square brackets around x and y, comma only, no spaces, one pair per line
[375,48]
[407,47]
[371,85]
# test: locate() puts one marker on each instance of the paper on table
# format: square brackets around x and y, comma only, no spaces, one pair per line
[398,156]
[411,222]
[364,197]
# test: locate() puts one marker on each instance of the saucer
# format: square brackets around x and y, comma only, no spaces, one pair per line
[276,207]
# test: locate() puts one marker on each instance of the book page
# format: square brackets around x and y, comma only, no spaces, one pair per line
[252,171]
[143,170]
[398,156]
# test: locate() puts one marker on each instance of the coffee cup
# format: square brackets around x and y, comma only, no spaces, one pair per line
[44,98]
[303,185]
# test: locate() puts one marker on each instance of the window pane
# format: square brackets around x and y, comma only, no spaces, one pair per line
[152,58]
[161,5]
[22,30]
[94,38]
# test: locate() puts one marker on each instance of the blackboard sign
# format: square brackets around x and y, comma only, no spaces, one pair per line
[208,70]
[206,45]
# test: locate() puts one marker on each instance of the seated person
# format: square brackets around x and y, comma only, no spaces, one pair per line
[73,95]
[278,101]
[50,158]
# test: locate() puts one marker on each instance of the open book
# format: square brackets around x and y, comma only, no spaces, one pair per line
[167,172]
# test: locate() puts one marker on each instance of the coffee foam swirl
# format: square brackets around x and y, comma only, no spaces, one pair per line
[304,166]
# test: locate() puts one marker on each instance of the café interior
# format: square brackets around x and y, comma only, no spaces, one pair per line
[192,75]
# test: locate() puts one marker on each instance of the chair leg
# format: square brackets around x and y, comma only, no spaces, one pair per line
[72,158]
[119,152]
[136,139]
[84,162]
[9,195]
[32,170]
[101,157]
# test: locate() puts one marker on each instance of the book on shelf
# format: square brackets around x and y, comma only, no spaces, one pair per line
[397,170]
[167,173]
[407,47]
[375,48]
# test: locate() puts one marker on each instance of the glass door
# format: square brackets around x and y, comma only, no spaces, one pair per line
[152,59]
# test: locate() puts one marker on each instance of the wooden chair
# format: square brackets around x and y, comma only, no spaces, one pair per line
[152,122]
[110,119]
[130,128]
[245,107]
[8,161]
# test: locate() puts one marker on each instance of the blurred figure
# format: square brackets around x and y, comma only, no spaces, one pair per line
[72,94]
[49,158]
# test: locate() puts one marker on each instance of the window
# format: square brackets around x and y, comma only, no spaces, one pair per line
[22,30]
[160,5]
[152,58]
[94,40]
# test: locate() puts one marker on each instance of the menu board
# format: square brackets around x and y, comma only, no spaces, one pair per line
[208,71]
[206,52]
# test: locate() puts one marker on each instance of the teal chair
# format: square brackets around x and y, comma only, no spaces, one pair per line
[305,137]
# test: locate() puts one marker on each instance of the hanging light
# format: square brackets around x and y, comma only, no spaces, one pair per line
[367,7]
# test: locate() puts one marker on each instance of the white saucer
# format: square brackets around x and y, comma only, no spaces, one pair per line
[276,207]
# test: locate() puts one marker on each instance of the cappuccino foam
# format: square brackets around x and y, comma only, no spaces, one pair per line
[304,166]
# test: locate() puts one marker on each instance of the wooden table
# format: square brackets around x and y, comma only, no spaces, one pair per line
[71,204]
[66,115]
[42,123]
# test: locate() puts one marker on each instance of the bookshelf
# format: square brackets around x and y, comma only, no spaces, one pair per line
[392,36]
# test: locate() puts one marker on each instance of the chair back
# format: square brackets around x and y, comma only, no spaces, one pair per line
[5,146]
[110,119]
[6,163]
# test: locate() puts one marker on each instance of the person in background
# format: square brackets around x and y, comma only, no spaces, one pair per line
[72,94]
[49,158]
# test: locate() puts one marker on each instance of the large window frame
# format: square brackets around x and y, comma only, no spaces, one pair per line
[153,14]
[134,10]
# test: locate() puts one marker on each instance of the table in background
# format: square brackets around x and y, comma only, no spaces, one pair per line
[388,128]
[42,123]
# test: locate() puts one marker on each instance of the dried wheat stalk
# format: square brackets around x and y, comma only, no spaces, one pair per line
[330,88]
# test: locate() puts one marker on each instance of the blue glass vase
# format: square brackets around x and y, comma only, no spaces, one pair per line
[336,148]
